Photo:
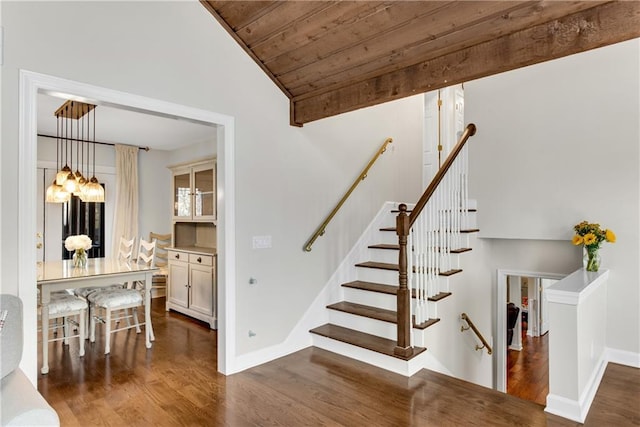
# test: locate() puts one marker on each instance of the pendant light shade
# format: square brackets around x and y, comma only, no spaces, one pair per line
[57,194]
[93,191]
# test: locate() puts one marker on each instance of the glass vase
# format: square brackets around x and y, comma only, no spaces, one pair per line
[80,258]
[591,259]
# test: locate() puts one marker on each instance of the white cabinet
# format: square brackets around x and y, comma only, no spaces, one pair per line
[194,191]
[192,285]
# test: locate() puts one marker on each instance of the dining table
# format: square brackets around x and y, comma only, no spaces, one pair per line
[61,275]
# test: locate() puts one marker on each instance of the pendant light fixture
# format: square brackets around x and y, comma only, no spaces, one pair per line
[68,182]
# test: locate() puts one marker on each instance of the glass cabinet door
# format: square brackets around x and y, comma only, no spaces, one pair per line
[182,195]
[203,191]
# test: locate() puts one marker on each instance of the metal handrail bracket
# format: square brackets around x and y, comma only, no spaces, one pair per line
[323,226]
[471,326]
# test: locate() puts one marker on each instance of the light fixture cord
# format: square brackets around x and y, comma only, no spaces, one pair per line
[94,142]
[71,126]
[57,142]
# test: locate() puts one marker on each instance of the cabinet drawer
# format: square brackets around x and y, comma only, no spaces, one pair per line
[174,256]
[201,259]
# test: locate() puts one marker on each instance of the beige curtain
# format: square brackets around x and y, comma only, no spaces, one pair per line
[125,221]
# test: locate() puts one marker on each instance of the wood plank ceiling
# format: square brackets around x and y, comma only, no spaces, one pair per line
[330,57]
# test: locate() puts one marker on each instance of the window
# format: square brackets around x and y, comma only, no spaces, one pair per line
[79,217]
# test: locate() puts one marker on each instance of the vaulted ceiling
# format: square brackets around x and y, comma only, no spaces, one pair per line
[330,57]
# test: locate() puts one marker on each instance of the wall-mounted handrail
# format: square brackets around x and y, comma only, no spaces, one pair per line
[471,326]
[469,131]
[323,226]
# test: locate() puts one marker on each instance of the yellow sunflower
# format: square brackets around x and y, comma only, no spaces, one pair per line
[577,240]
[589,239]
[610,236]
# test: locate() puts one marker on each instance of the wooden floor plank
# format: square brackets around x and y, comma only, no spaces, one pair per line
[176,383]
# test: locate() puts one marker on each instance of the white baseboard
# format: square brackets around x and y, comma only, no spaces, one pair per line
[623,357]
[577,410]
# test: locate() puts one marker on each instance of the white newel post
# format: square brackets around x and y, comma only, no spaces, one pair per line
[577,333]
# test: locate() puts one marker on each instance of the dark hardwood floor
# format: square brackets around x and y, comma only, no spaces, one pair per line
[176,383]
[528,369]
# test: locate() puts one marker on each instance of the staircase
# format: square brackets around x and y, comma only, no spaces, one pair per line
[364,324]
[403,274]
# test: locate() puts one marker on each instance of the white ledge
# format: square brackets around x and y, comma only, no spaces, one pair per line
[576,287]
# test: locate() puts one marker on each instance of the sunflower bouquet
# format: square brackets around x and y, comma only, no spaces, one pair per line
[591,236]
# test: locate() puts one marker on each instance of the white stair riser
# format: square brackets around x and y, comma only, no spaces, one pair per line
[384,255]
[392,364]
[373,299]
[379,300]
[377,275]
[389,237]
[363,324]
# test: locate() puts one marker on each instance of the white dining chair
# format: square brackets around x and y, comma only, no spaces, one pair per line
[65,306]
[110,305]
[125,254]
[163,242]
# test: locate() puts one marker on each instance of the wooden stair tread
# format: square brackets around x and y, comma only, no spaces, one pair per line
[381,314]
[376,313]
[379,265]
[363,340]
[450,272]
[382,288]
[459,250]
[446,210]
[394,267]
[426,324]
[395,246]
[467,230]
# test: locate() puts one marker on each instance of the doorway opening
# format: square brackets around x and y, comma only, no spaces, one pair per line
[510,289]
[527,339]
[32,84]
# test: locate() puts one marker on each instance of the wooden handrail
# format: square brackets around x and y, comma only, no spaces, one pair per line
[322,228]
[404,222]
[485,344]
[469,131]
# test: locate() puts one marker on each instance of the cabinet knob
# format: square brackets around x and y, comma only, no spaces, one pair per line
[177,256]
[199,259]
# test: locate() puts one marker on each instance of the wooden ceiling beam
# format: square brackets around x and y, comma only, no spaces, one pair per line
[589,29]
[454,38]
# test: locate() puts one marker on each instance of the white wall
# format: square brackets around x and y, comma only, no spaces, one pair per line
[558,143]
[287,178]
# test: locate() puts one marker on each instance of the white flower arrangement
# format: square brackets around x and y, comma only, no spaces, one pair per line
[74,243]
